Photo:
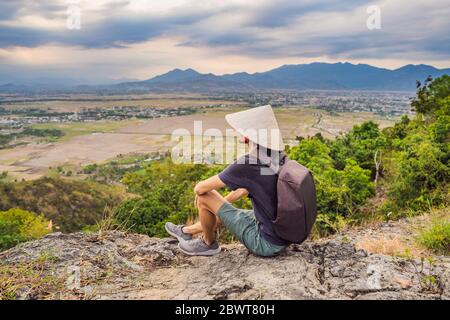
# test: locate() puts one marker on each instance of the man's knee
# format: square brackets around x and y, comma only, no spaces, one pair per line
[200,201]
[210,200]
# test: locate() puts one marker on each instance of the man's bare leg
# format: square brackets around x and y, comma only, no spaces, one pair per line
[193,228]
[196,228]
[208,205]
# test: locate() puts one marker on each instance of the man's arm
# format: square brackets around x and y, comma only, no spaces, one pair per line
[212,183]
[215,183]
[236,195]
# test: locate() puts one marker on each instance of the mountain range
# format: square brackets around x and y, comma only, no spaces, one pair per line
[313,76]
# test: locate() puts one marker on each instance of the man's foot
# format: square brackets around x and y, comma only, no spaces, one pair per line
[198,247]
[177,231]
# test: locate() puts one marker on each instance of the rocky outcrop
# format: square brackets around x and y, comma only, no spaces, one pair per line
[115,265]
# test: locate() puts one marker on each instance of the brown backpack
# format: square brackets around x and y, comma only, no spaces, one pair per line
[297,208]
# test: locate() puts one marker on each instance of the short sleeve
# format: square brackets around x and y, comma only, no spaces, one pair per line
[234,176]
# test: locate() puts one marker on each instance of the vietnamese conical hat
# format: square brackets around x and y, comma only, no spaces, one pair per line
[258,125]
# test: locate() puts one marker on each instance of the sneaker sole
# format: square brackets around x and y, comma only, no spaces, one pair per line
[204,253]
[174,235]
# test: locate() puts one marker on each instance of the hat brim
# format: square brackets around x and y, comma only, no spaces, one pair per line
[259,125]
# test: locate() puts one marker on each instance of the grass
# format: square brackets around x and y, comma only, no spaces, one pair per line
[73,129]
[30,280]
[436,237]
[393,246]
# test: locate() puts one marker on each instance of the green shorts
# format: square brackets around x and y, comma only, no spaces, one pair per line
[243,224]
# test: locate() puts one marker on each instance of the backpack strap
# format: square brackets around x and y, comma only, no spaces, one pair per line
[283,158]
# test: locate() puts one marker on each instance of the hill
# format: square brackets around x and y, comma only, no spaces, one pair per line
[313,76]
[116,265]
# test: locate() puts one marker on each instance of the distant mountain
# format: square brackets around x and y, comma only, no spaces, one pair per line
[180,81]
[175,75]
[313,76]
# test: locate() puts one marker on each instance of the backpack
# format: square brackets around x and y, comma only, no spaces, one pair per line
[297,208]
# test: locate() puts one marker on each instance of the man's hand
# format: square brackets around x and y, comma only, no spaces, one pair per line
[196,201]
[209,184]
[237,194]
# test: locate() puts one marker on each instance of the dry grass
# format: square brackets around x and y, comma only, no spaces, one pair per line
[407,238]
[29,280]
[392,246]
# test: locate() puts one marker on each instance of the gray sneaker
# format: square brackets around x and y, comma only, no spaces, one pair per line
[198,247]
[177,231]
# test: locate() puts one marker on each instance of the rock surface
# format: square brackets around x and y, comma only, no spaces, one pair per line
[116,265]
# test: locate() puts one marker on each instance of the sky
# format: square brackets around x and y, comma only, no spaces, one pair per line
[113,40]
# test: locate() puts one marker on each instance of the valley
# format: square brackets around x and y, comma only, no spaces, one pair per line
[94,131]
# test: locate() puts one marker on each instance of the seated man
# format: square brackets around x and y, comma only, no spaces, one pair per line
[246,176]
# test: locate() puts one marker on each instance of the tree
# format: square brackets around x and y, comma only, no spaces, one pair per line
[360,144]
[419,172]
[18,225]
[142,215]
[429,93]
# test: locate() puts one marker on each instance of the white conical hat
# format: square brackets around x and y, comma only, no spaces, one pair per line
[258,125]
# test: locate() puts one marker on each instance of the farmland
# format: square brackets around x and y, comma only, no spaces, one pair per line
[88,141]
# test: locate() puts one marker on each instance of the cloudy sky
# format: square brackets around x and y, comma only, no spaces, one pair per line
[137,39]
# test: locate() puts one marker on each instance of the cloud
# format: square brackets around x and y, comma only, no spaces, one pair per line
[254,33]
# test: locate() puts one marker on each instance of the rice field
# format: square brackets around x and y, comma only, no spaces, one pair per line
[96,142]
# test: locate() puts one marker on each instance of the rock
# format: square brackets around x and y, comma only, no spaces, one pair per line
[116,265]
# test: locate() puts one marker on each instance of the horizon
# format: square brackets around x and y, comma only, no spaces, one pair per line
[95,42]
[123,80]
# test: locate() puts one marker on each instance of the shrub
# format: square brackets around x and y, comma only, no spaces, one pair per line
[18,225]
[418,173]
[29,131]
[143,215]
[70,204]
[437,236]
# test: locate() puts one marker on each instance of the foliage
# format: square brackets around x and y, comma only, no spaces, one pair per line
[437,236]
[166,194]
[29,131]
[339,192]
[360,144]
[419,171]
[70,204]
[413,175]
[427,100]
[419,174]
[5,139]
[145,215]
[414,171]
[17,226]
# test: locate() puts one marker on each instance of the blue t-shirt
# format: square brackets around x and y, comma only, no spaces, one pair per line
[262,190]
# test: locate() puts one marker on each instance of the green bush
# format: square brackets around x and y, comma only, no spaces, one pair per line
[29,131]
[437,236]
[360,144]
[70,204]
[143,215]
[166,194]
[17,226]
[418,171]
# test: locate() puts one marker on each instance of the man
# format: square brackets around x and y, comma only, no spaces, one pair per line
[254,175]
